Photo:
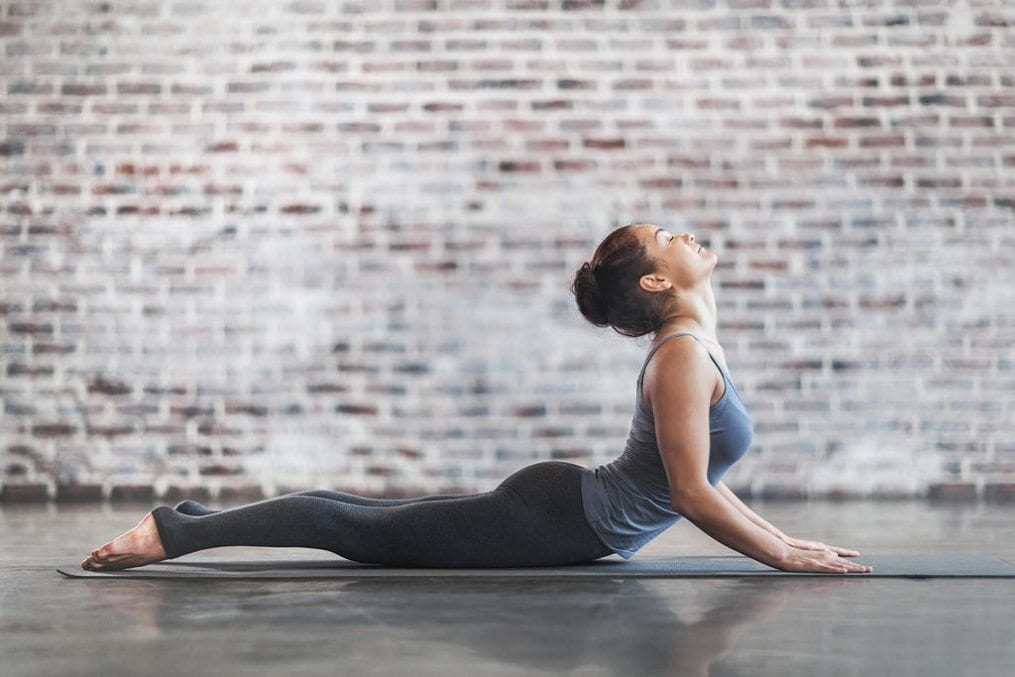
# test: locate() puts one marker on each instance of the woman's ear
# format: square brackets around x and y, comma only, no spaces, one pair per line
[654,283]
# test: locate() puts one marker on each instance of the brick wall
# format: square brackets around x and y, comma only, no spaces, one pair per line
[256,247]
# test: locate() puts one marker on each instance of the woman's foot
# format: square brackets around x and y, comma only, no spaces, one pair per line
[139,546]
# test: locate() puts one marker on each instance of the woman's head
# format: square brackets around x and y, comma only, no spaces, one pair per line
[635,277]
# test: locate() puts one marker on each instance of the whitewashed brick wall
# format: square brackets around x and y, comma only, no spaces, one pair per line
[255,247]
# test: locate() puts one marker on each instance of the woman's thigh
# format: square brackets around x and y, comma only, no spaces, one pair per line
[533,518]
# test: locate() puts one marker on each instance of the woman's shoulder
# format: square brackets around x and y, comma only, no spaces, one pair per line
[671,359]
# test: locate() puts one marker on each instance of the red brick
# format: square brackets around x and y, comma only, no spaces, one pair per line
[999,491]
[952,491]
[36,492]
[53,430]
[78,492]
[175,494]
[139,493]
[245,493]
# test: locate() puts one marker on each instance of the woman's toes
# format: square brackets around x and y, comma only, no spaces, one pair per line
[112,559]
[139,546]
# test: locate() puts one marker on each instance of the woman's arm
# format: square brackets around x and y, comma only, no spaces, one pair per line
[748,513]
[788,540]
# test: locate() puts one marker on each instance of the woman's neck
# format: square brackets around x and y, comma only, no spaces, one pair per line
[697,316]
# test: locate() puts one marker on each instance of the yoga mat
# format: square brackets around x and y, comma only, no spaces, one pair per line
[885,566]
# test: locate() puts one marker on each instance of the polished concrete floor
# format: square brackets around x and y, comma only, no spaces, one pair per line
[842,625]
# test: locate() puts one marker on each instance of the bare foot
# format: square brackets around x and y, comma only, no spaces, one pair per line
[139,546]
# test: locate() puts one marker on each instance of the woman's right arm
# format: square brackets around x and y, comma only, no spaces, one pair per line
[680,401]
[709,510]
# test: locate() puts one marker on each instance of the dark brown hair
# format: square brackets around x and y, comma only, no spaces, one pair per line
[607,289]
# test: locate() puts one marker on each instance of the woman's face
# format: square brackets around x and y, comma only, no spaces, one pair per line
[678,257]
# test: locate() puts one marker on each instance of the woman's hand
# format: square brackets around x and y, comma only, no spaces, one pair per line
[816,545]
[820,562]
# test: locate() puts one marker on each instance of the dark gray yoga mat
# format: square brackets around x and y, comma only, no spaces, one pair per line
[885,566]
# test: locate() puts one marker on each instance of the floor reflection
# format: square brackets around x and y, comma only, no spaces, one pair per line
[625,626]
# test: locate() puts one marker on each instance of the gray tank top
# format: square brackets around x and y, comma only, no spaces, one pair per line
[627,502]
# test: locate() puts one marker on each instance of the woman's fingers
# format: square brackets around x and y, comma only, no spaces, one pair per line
[836,568]
[823,560]
[818,545]
[845,566]
[844,552]
[856,567]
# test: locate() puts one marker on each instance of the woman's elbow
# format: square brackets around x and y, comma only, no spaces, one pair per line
[686,499]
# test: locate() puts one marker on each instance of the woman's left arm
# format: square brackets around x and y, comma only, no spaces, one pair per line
[789,540]
[748,513]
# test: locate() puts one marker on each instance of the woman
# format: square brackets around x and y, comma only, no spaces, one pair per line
[688,428]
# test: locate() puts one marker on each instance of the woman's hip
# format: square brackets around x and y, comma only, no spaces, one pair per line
[552,492]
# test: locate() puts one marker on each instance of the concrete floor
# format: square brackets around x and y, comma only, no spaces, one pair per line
[50,625]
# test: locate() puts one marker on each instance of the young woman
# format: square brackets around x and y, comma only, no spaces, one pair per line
[689,427]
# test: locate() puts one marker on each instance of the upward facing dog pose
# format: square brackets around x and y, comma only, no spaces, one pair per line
[689,427]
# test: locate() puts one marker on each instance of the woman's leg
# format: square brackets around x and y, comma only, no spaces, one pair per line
[534,518]
[189,507]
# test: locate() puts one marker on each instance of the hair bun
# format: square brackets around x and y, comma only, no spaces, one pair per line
[588,295]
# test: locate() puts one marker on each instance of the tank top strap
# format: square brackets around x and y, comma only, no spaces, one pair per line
[641,376]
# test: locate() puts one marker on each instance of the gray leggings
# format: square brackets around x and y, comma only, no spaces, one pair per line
[533,518]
